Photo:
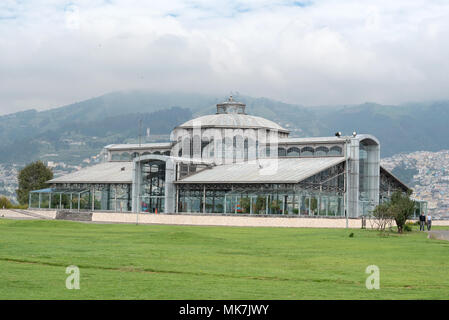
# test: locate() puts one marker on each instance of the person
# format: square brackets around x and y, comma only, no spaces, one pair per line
[422,221]
[429,222]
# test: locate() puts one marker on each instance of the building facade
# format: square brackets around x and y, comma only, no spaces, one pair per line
[231,163]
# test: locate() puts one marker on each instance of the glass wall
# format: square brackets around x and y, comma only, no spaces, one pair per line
[105,197]
[306,203]
[152,190]
[309,151]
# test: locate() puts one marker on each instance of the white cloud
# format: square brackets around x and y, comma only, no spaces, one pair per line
[309,52]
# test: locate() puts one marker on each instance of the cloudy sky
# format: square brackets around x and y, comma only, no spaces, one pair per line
[307,52]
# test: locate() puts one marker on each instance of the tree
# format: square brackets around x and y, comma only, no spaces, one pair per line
[34,176]
[381,217]
[5,203]
[401,208]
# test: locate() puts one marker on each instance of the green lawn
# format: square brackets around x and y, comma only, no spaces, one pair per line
[192,262]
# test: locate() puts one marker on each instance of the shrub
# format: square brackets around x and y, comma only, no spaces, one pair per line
[399,209]
[5,203]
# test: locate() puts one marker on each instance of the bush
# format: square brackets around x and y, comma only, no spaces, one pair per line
[399,209]
[5,203]
[409,226]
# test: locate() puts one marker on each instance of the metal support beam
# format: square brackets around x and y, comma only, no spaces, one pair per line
[93,198]
[250,205]
[204,199]
[115,198]
[266,207]
[224,205]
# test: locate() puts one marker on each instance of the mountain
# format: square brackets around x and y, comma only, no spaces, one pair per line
[404,128]
[79,130]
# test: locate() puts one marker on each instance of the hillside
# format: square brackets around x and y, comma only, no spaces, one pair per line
[73,132]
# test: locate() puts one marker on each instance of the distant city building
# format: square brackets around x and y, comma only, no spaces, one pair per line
[231,163]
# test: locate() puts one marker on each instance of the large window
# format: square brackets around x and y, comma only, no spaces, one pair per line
[282,152]
[335,151]
[321,151]
[307,152]
[293,152]
[152,188]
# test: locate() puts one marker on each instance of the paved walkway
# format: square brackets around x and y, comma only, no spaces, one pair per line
[10,214]
[439,235]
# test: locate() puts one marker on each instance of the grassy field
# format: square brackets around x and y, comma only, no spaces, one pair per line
[188,262]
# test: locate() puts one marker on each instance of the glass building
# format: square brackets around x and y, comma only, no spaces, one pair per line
[231,163]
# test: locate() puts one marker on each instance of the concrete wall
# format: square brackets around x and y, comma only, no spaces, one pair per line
[238,221]
[218,220]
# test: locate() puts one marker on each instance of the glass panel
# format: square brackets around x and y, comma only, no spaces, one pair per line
[333,206]
[293,152]
[123,203]
[307,152]
[34,203]
[125,156]
[321,151]
[313,205]
[335,151]
[324,205]
[115,156]
[282,152]
[291,206]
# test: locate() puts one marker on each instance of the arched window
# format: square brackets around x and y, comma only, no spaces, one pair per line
[293,152]
[257,149]
[186,147]
[307,152]
[251,143]
[321,151]
[211,148]
[238,148]
[204,144]
[234,148]
[335,151]
[196,146]
[282,152]
[125,156]
[180,152]
[146,153]
[245,149]
[157,152]
[166,153]
[223,149]
[134,155]
[115,156]
[267,151]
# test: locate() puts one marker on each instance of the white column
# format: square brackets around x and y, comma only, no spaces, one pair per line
[93,198]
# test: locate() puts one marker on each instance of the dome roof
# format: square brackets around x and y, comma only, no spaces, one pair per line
[232,120]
